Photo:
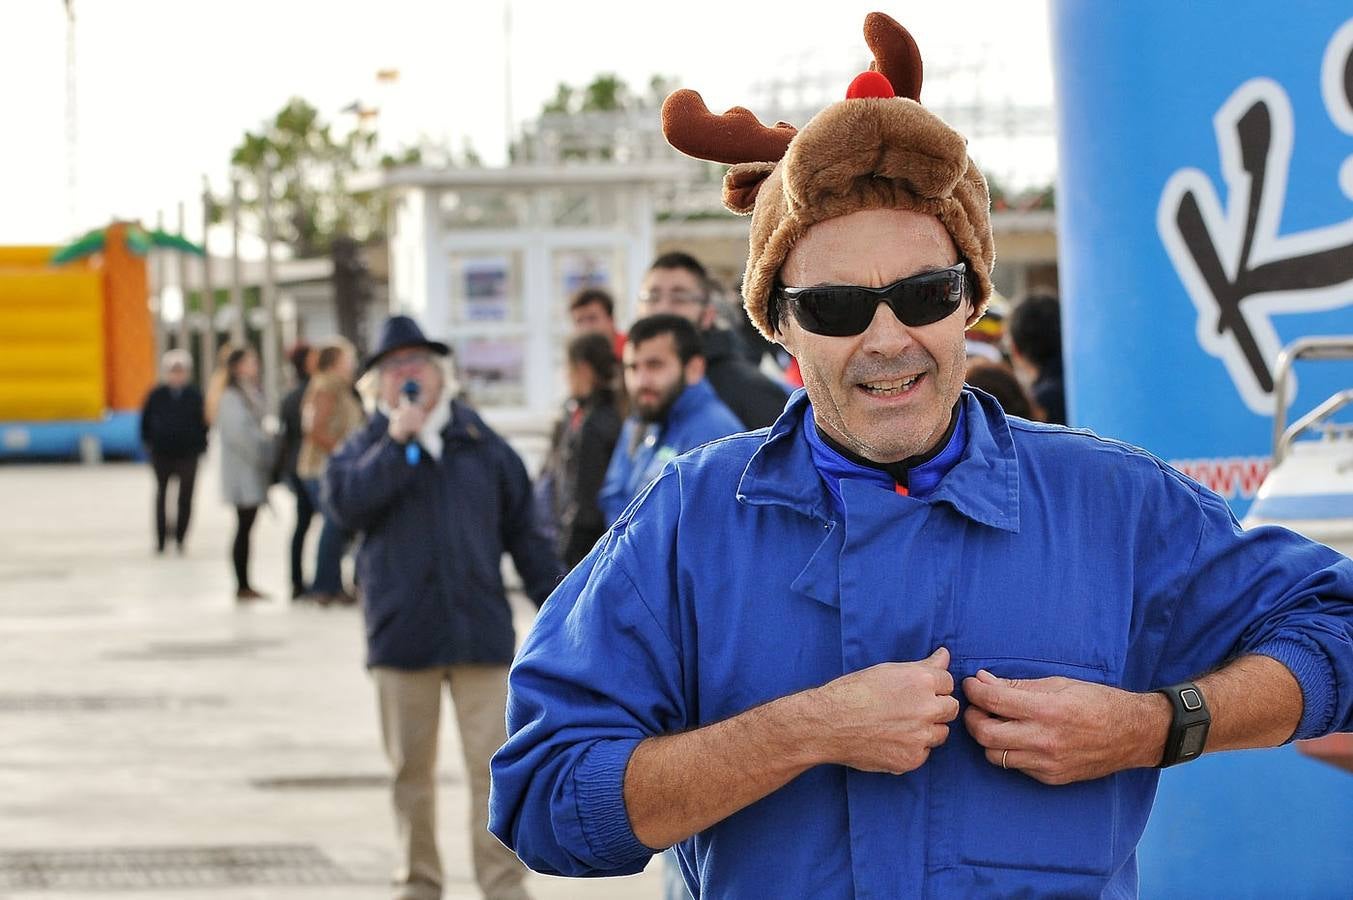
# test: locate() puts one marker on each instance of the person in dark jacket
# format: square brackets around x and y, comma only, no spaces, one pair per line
[302,358]
[583,444]
[677,283]
[438,498]
[1035,333]
[174,432]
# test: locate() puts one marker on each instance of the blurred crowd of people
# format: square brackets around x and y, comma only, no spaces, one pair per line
[406,475]
[317,415]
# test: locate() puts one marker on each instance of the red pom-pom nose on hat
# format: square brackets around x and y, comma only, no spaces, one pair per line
[870,84]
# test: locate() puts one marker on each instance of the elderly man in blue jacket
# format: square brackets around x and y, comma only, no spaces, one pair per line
[673,408]
[900,645]
[438,498]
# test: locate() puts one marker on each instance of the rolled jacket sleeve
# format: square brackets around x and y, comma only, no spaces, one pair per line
[575,714]
[1272,592]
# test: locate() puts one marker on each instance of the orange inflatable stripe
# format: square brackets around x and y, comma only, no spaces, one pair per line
[130,359]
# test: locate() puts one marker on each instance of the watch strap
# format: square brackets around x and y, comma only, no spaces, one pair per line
[1189,723]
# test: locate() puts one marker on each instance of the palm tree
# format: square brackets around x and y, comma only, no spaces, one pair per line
[129,336]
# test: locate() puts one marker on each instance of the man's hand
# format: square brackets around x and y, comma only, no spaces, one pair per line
[406,420]
[1059,730]
[887,718]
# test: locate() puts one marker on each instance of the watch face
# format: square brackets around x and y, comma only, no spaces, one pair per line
[1192,745]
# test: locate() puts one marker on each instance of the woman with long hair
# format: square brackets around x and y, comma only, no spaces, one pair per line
[216,385]
[583,444]
[330,413]
[246,457]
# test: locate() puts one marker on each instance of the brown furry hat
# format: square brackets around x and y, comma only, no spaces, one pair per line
[873,150]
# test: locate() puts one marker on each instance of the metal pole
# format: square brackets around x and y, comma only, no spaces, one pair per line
[184,336]
[270,348]
[236,276]
[207,337]
[508,127]
[157,272]
[72,128]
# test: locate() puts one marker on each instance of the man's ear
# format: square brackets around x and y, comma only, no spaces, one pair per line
[695,369]
[782,334]
[707,316]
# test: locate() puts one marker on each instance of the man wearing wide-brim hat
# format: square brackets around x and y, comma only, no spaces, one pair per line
[439,497]
[900,644]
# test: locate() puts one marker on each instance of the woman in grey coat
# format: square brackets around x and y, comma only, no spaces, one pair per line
[246,457]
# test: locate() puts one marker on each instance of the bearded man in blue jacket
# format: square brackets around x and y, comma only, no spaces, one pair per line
[673,408]
[438,498]
[899,644]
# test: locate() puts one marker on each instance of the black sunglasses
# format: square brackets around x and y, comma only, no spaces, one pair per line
[843,310]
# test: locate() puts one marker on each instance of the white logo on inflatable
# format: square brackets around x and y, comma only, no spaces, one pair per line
[1238,270]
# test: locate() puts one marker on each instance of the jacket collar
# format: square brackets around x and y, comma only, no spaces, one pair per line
[982,486]
[465,424]
[692,399]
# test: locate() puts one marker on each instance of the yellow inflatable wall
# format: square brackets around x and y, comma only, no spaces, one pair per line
[51,339]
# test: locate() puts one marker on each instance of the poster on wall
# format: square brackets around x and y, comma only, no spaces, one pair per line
[487,289]
[1205,221]
[493,370]
[580,269]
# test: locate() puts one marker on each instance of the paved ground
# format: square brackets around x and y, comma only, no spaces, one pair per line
[154,736]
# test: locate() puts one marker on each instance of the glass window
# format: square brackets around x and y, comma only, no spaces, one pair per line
[493,370]
[486,288]
[484,208]
[594,207]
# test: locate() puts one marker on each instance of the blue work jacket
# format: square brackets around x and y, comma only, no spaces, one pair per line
[433,537]
[734,580]
[697,417]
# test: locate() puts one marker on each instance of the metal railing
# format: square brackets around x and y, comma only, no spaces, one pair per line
[1312,348]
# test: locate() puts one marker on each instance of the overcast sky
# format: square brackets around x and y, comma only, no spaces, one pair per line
[165,88]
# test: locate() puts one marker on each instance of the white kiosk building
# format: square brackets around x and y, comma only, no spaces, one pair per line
[486,260]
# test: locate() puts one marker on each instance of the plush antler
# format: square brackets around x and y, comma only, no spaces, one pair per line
[896,55]
[737,136]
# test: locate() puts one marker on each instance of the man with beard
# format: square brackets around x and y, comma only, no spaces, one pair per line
[677,283]
[673,408]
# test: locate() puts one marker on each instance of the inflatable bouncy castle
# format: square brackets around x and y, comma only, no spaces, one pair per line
[77,344]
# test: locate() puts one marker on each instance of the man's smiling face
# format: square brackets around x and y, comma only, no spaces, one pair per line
[887,394]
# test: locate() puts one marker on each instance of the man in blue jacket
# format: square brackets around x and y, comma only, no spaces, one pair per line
[673,408]
[438,498]
[899,645]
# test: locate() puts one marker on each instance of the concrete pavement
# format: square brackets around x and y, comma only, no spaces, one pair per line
[158,741]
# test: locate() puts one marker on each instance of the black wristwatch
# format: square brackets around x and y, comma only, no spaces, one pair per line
[1188,726]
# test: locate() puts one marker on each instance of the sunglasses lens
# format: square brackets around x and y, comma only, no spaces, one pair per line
[835,311]
[930,299]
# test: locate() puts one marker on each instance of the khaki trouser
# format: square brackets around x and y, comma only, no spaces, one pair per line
[410,709]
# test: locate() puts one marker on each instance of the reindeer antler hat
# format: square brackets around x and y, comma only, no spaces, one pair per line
[877,149]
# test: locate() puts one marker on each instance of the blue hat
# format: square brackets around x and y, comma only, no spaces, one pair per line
[400,333]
